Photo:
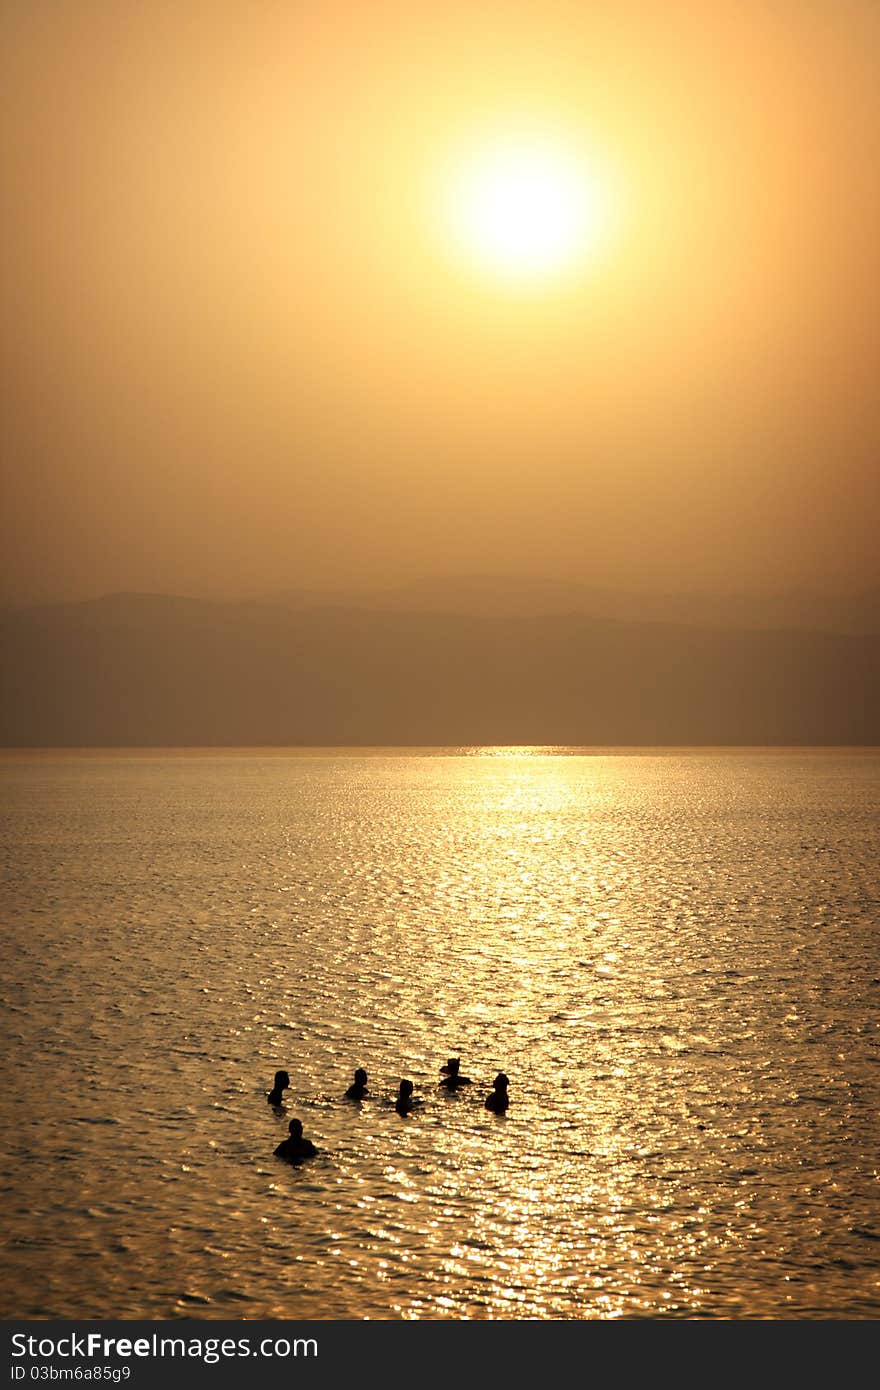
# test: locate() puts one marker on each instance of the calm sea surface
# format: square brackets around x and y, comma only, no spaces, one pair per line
[675,958]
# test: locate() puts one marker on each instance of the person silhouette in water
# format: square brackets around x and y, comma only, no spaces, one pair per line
[498,1100]
[404,1103]
[358,1088]
[452,1077]
[282,1083]
[295,1149]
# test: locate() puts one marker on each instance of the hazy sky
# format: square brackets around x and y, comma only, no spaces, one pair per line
[241,350]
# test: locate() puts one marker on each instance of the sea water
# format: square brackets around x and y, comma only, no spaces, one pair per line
[673,956]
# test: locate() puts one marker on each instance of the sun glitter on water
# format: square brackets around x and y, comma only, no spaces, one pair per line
[529,209]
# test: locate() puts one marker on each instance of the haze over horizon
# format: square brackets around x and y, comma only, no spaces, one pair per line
[498,596]
[242,352]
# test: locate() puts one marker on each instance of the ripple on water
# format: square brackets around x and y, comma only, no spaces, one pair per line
[673,958]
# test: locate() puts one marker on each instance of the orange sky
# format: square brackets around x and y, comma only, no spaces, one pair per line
[239,352]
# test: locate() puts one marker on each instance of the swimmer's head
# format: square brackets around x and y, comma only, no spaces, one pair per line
[295,1129]
[360,1077]
[282,1081]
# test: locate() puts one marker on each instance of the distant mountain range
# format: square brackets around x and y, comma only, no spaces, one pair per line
[163,671]
[494,596]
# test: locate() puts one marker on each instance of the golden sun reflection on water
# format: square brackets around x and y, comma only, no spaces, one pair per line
[513,750]
[674,961]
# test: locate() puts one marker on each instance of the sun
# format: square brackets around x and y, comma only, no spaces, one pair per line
[529,209]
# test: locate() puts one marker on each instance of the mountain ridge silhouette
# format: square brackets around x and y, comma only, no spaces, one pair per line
[156,670]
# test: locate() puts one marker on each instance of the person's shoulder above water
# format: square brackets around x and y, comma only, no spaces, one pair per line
[358,1088]
[452,1077]
[281,1084]
[404,1102]
[295,1148]
[498,1100]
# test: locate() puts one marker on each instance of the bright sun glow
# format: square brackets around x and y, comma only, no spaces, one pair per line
[528,209]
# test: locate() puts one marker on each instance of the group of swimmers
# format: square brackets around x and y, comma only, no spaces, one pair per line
[295,1148]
